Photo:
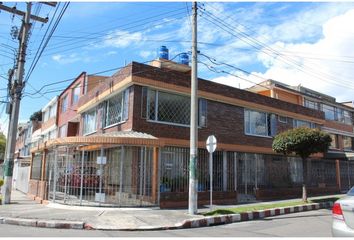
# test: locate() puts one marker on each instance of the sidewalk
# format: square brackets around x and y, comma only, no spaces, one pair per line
[23,211]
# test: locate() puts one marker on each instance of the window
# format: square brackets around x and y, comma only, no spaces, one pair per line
[347,143]
[329,112]
[62,131]
[347,117]
[117,108]
[172,108]
[53,110]
[282,119]
[334,143]
[301,123]
[259,123]
[311,104]
[76,94]
[89,121]
[64,103]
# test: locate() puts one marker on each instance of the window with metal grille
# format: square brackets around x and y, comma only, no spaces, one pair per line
[172,108]
[347,143]
[117,108]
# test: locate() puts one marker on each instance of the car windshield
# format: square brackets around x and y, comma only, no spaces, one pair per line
[351,192]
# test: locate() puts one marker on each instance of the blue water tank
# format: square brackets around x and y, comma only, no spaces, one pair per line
[163,52]
[184,59]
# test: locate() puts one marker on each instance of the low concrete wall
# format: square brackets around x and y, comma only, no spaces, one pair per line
[286,193]
[180,199]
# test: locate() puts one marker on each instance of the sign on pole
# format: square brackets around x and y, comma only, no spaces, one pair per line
[211,146]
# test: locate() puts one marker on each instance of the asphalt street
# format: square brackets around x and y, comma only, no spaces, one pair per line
[304,224]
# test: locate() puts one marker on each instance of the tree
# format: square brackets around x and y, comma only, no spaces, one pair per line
[36,116]
[2,145]
[303,142]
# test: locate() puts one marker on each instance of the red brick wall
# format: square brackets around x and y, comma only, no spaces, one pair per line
[225,121]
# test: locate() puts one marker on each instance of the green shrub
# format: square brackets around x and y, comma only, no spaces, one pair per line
[1,182]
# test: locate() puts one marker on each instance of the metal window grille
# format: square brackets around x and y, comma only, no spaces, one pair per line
[114,110]
[168,107]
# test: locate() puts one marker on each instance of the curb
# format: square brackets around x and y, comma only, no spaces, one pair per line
[254,215]
[192,223]
[63,224]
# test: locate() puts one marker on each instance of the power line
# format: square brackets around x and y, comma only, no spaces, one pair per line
[268,50]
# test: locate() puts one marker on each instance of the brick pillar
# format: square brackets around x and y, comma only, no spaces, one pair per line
[44,158]
[338,174]
[155,174]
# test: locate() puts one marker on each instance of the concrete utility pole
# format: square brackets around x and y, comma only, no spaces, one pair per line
[17,86]
[193,194]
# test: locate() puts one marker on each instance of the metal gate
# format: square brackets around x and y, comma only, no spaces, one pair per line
[117,176]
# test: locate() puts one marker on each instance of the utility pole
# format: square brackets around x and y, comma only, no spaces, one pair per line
[17,87]
[193,194]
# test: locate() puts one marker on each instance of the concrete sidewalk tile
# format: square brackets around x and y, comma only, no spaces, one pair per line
[21,221]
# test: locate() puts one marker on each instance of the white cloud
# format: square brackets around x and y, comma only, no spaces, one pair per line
[70,58]
[147,54]
[121,39]
[321,65]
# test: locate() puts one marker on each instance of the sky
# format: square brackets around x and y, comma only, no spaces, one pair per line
[240,44]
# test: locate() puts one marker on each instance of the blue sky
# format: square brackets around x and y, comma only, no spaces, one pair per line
[295,43]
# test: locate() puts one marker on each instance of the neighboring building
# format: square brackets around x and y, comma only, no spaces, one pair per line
[131,143]
[49,121]
[68,119]
[23,156]
[338,121]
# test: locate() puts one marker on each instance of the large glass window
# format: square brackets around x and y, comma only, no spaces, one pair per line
[259,123]
[329,112]
[301,123]
[347,143]
[173,108]
[76,94]
[117,108]
[64,103]
[347,117]
[311,104]
[89,120]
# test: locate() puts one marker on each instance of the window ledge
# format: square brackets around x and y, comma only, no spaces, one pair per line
[114,124]
[254,135]
[86,134]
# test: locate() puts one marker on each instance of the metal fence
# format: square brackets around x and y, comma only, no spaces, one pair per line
[119,176]
[346,174]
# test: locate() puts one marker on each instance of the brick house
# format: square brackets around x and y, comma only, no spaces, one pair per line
[132,146]
[68,119]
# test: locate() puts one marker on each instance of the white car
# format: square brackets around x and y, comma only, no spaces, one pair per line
[343,216]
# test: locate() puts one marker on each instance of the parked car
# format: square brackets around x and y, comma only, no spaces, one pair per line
[90,181]
[343,216]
